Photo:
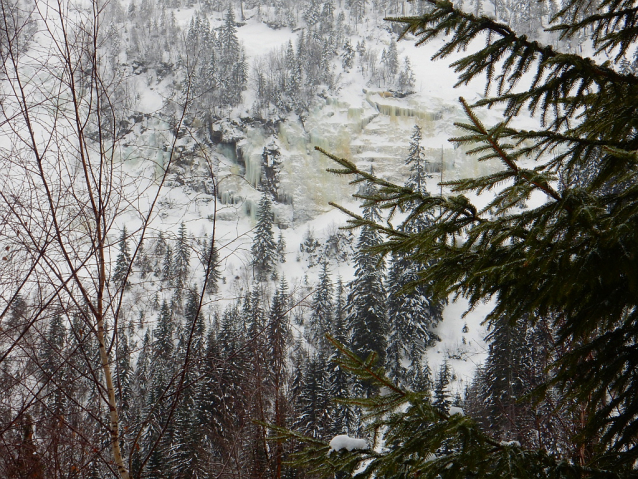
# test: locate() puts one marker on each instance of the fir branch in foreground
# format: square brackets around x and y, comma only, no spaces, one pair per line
[491,138]
[513,56]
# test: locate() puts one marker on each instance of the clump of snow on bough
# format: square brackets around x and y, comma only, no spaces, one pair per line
[343,441]
[456,410]
[510,444]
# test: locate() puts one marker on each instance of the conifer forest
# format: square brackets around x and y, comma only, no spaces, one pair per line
[266,239]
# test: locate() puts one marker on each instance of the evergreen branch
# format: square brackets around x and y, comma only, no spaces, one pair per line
[555,76]
[445,18]
[558,137]
[351,169]
[357,221]
[630,156]
[489,136]
[380,379]
[393,196]
[421,441]
[610,29]
[283,434]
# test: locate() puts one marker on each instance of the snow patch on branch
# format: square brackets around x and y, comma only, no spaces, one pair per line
[510,443]
[343,441]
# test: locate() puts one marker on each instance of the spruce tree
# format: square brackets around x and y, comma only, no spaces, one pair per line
[345,417]
[159,435]
[320,321]
[163,335]
[412,316]
[278,339]
[347,56]
[281,248]
[122,263]
[312,14]
[264,249]
[441,389]
[212,266]
[140,390]
[159,252]
[167,265]
[413,313]
[406,78]
[187,455]
[418,376]
[181,258]
[17,315]
[314,401]
[392,59]
[418,163]
[143,262]
[124,373]
[52,366]
[225,391]
[366,316]
[194,327]
[505,378]
[232,70]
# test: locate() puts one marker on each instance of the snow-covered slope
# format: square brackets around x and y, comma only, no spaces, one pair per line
[369,123]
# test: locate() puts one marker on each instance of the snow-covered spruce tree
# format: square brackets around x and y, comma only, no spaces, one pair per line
[225,391]
[392,59]
[143,262]
[412,316]
[181,258]
[321,314]
[347,56]
[211,263]
[124,370]
[281,248]
[232,67]
[570,260]
[123,262]
[412,311]
[167,265]
[366,309]
[313,401]
[264,248]
[159,253]
[442,401]
[53,370]
[158,436]
[345,418]
[418,163]
[406,80]
[278,337]
[141,387]
[442,395]
[257,400]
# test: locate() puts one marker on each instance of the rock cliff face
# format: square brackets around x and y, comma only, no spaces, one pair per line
[235,159]
[373,130]
[304,86]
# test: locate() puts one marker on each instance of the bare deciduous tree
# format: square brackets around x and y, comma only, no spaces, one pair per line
[64,190]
